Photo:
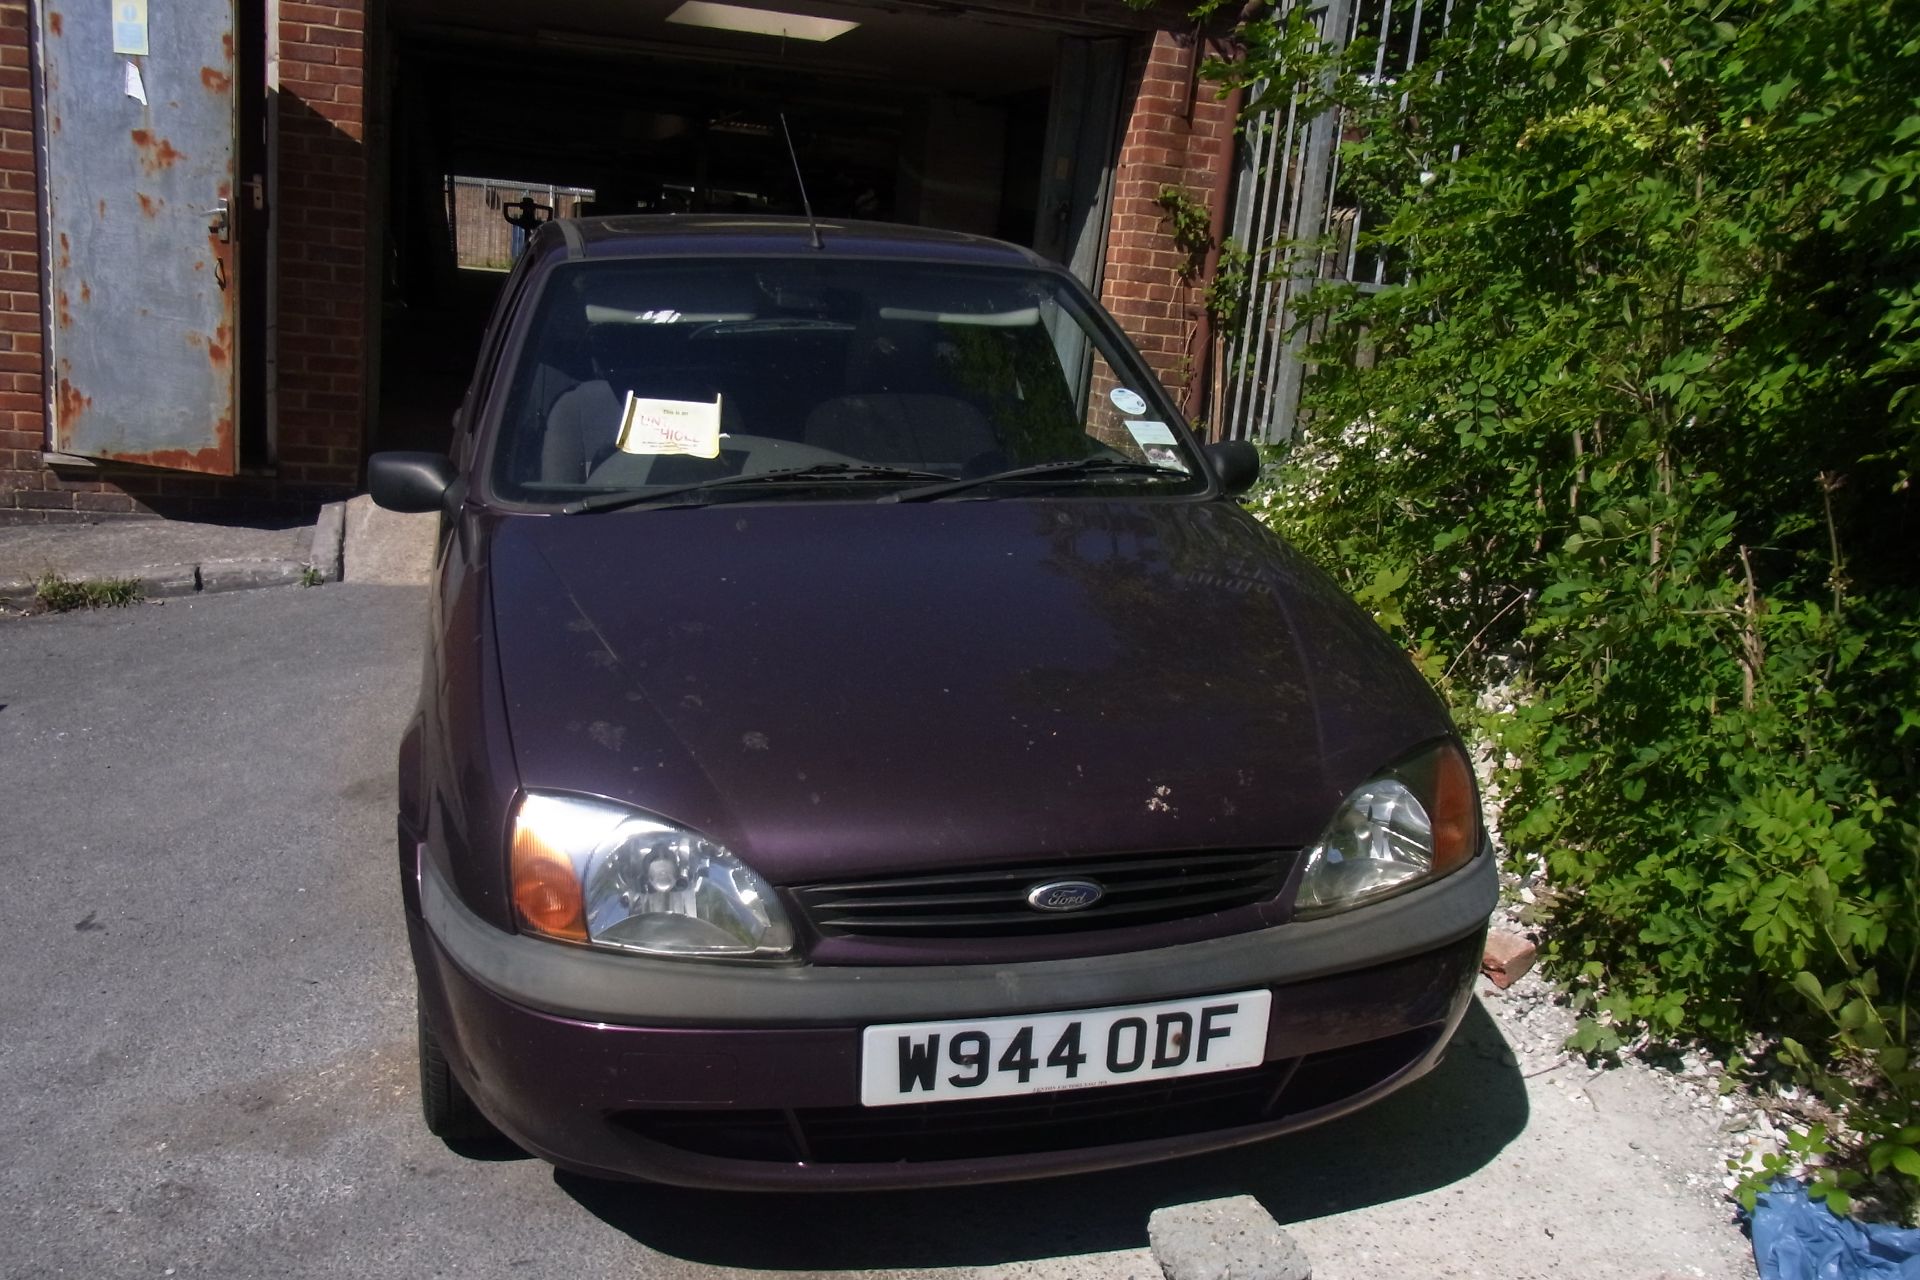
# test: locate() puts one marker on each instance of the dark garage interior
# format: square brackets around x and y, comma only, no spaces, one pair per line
[914,115]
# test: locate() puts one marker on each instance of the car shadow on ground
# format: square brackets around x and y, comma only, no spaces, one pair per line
[1432,1133]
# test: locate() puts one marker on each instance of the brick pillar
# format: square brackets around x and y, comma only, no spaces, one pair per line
[23,421]
[1178,134]
[322,233]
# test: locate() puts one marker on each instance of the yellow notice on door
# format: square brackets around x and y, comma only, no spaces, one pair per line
[670,426]
[130,27]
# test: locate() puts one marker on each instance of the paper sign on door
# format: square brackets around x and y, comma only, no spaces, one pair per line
[130,27]
[670,426]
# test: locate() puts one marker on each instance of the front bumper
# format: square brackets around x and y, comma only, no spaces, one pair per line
[735,1076]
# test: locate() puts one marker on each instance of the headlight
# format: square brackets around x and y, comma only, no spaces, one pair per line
[1410,825]
[588,871]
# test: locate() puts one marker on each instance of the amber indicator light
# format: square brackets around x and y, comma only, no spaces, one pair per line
[1456,825]
[546,892]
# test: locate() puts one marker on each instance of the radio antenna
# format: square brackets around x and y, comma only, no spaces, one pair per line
[806,204]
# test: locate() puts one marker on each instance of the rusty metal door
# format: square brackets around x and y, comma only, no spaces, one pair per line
[139,128]
[1083,132]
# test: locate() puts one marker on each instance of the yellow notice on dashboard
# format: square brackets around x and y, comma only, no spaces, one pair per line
[670,426]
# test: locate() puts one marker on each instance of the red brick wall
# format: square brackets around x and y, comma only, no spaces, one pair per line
[22,416]
[323,233]
[322,309]
[1178,133]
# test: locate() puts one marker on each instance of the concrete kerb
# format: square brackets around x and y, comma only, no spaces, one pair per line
[387,546]
[244,575]
[327,558]
[169,560]
[349,539]
[170,582]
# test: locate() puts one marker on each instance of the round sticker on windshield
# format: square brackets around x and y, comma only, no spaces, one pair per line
[1127,401]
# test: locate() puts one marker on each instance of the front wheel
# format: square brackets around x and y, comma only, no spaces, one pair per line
[448,1111]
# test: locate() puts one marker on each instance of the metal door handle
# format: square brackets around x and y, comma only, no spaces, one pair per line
[220,221]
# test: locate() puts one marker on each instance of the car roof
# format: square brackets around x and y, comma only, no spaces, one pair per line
[651,235]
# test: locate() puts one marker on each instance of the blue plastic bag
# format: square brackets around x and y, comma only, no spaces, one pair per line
[1797,1239]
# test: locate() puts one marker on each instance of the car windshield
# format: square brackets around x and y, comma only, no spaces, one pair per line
[825,377]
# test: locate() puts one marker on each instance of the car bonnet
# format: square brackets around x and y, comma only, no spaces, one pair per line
[834,689]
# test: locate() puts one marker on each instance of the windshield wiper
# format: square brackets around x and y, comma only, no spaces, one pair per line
[1076,466]
[620,498]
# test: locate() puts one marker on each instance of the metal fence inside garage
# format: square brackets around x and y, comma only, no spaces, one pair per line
[476,211]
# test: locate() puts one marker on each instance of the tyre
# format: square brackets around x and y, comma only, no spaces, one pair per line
[448,1111]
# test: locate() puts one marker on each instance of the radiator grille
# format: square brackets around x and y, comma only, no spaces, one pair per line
[974,903]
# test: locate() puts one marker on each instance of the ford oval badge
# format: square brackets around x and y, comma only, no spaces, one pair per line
[1064,895]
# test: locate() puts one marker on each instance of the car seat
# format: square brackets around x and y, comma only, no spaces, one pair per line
[906,429]
[582,426]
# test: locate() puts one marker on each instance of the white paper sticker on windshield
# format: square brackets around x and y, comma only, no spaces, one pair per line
[670,426]
[1127,401]
[1156,442]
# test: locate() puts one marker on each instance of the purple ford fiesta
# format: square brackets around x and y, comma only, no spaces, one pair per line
[863,743]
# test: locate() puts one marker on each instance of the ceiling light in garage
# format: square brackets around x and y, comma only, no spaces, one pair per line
[765,22]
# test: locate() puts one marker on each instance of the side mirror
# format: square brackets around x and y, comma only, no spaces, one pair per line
[409,481]
[1236,462]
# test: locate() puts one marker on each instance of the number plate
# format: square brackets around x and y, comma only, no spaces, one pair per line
[1037,1053]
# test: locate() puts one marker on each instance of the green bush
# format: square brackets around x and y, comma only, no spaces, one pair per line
[1635,443]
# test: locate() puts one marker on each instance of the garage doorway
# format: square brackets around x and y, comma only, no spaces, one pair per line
[911,114]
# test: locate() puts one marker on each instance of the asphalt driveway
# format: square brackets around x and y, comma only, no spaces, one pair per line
[206,1066]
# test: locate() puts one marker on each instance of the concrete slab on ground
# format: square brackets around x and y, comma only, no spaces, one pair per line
[1233,1238]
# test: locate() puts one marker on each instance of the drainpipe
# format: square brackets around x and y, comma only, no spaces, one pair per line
[1219,191]
[1199,376]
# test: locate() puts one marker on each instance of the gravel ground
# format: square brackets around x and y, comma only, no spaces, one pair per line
[1614,1175]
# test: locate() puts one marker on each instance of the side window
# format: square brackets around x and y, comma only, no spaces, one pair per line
[487,368]
[1113,413]
[1117,415]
